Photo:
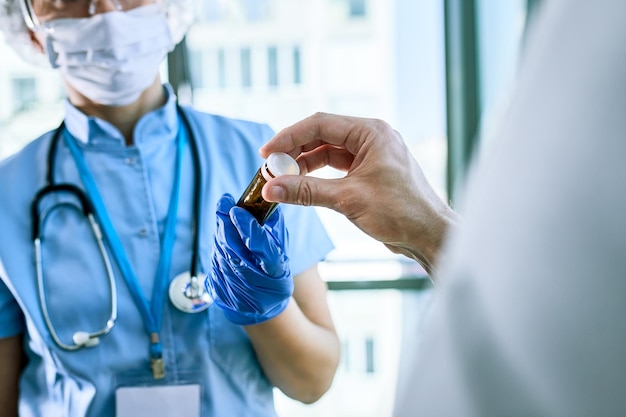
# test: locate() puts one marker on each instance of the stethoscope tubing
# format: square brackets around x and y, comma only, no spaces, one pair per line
[88,212]
[38,219]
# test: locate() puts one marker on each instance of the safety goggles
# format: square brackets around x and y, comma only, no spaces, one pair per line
[74,8]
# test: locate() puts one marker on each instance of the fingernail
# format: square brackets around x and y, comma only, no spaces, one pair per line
[277,193]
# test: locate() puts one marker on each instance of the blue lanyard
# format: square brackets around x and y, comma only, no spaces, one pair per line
[152,314]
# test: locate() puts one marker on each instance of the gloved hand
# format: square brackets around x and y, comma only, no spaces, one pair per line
[250,280]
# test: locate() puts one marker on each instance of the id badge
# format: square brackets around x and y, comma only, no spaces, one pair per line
[140,396]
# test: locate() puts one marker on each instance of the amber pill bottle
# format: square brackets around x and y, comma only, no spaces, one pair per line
[275,165]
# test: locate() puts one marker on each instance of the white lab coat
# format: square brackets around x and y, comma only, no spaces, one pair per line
[530,318]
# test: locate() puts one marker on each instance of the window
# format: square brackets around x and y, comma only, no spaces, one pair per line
[256,10]
[272,66]
[499,37]
[24,92]
[369,355]
[221,68]
[345,355]
[357,8]
[197,68]
[211,10]
[297,66]
[246,68]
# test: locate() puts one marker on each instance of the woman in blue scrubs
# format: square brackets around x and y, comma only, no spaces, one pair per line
[155,173]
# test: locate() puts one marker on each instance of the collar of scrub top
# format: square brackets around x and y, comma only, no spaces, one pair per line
[151,313]
[160,124]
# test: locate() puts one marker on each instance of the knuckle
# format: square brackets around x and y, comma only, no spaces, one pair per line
[381,126]
[305,194]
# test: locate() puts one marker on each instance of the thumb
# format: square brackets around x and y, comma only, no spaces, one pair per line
[303,191]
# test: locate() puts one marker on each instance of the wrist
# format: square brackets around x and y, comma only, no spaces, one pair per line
[243,318]
[426,246]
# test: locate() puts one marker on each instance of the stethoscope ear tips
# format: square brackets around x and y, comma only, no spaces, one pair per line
[84,339]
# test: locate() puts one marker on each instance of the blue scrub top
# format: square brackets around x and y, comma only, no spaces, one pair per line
[135,183]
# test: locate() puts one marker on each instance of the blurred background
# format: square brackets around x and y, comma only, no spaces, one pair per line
[439,71]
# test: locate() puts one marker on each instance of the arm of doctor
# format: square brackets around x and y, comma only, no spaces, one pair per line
[12,360]
[299,349]
[287,318]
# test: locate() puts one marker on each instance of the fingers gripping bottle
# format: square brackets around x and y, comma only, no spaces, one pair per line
[275,165]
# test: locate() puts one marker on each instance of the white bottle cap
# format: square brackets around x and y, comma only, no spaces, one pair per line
[278,164]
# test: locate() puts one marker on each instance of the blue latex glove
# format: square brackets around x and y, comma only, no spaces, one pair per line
[250,280]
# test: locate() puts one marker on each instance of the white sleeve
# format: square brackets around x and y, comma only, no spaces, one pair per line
[530,318]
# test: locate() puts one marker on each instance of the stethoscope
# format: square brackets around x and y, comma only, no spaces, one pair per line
[185,291]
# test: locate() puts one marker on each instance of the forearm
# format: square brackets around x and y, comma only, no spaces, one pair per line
[298,356]
[427,248]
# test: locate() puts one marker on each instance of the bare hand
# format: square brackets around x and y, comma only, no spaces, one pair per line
[384,191]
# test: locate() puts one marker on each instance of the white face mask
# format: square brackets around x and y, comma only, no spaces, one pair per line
[110,58]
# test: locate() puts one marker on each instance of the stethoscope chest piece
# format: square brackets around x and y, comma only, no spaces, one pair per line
[188,294]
